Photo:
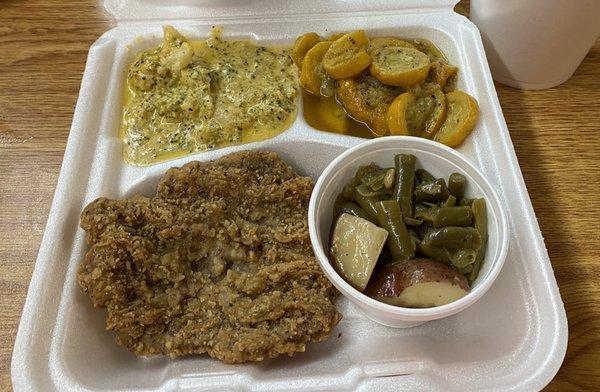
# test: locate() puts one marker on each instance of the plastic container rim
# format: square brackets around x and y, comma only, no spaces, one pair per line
[407,314]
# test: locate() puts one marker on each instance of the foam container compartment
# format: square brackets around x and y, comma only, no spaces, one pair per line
[514,338]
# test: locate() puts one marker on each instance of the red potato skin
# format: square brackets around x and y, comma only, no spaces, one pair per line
[394,278]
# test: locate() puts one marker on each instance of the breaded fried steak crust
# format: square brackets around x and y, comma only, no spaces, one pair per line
[218,261]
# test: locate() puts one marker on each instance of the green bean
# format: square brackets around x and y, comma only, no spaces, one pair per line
[366,191]
[462,258]
[424,176]
[377,185]
[447,256]
[361,172]
[382,178]
[450,202]
[480,217]
[459,258]
[404,183]
[370,177]
[348,192]
[456,185]
[414,237]
[465,202]
[408,221]
[367,204]
[422,229]
[373,179]
[425,213]
[453,237]
[466,270]
[371,167]
[435,252]
[452,216]
[348,207]
[388,180]
[435,191]
[399,241]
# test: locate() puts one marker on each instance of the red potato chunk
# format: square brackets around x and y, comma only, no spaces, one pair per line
[418,283]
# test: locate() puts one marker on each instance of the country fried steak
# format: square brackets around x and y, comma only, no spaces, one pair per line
[218,261]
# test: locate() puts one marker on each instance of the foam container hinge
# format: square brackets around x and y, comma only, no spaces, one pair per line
[514,338]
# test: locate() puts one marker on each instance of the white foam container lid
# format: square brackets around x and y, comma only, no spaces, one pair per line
[514,338]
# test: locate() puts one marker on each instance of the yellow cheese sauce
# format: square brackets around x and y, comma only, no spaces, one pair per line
[186,96]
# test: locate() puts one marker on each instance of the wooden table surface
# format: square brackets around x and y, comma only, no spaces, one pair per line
[556,134]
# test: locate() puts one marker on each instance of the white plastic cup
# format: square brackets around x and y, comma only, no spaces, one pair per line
[536,44]
[439,160]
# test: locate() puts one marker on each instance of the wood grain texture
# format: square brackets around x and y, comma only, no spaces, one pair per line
[556,134]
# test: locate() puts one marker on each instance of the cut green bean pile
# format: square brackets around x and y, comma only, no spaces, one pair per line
[424,215]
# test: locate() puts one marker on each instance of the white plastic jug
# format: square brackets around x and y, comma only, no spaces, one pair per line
[536,44]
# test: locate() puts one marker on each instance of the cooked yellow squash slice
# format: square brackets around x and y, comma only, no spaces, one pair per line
[380,42]
[461,117]
[420,112]
[441,72]
[333,116]
[312,76]
[336,36]
[427,47]
[367,100]
[399,66]
[431,106]
[347,56]
[303,44]
[349,94]
[396,117]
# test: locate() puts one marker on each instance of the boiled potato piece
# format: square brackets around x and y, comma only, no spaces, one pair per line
[312,76]
[333,116]
[303,44]
[367,100]
[347,56]
[461,117]
[355,247]
[418,113]
[399,66]
[380,42]
[418,283]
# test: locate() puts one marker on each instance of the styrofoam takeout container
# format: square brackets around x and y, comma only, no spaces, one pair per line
[513,338]
[439,160]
